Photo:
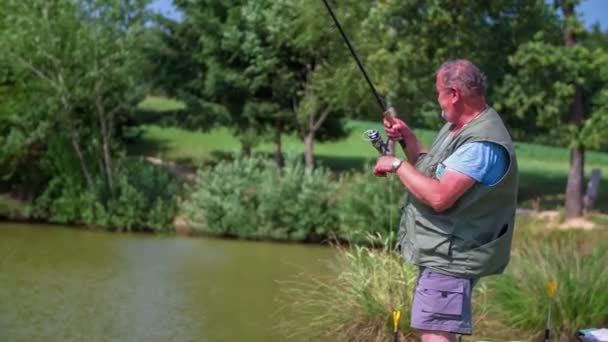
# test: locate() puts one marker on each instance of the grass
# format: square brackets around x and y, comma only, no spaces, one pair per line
[160,104]
[356,305]
[543,169]
[356,301]
[576,261]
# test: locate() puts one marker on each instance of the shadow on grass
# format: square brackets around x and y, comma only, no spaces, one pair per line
[543,191]
[147,146]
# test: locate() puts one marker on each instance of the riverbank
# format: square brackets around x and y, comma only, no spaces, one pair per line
[12,210]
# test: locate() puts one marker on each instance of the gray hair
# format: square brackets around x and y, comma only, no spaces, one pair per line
[463,75]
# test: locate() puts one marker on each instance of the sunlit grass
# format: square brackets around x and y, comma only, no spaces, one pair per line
[356,302]
[160,104]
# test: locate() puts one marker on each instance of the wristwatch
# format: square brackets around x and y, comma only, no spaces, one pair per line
[396,163]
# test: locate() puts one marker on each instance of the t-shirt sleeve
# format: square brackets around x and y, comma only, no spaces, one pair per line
[483,161]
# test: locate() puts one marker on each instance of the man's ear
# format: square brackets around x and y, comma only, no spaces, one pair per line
[455,95]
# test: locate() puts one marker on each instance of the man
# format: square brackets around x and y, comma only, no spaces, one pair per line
[457,221]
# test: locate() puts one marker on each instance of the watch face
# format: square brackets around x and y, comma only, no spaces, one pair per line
[396,164]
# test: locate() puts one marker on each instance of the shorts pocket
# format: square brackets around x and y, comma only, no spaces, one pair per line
[445,298]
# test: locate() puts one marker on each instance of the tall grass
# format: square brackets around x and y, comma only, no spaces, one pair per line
[355,304]
[577,262]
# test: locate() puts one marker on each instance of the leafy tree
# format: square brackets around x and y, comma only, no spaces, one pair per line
[255,69]
[561,88]
[404,42]
[312,52]
[83,59]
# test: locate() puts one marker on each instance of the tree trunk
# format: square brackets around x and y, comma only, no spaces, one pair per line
[278,152]
[83,164]
[106,126]
[309,141]
[246,149]
[574,188]
[105,145]
[75,140]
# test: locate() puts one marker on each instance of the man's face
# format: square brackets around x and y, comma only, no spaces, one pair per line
[447,99]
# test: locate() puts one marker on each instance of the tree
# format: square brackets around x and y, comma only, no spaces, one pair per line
[562,89]
[226,92]
[80,61]
[404,43]
[312,52]
[255,71]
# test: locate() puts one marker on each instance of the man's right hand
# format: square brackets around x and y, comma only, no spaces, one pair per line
[396,129]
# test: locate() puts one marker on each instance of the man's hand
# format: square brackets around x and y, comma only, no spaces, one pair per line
[384,165]
[396,129]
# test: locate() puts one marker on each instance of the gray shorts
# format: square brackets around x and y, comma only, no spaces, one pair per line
[442,303]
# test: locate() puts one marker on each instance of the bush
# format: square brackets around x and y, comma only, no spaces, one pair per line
[577,262]
[143,197]
[252,198]
[355,305]
[370,205]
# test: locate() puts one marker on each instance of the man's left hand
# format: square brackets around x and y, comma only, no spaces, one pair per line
[383,166]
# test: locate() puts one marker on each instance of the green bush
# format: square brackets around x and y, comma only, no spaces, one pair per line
[252,198]
[143,197]
[369,205]
[576,261]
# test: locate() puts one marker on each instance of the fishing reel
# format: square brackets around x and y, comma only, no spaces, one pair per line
[372,135]
[385,148]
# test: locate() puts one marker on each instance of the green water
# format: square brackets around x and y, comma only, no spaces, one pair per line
[62,284]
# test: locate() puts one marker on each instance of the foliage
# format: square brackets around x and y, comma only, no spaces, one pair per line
[252,198]
[369,205]
[576,261]
[144,198]
[80,59]
[406,41]
[543,85]
[241,76]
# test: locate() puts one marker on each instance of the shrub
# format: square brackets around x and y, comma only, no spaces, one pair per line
[252,198]
[370,205]
[143,197]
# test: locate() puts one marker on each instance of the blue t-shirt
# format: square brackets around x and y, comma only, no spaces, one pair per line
[483,161]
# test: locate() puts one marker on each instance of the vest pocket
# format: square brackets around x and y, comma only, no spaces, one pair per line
[489,258]
[432,241]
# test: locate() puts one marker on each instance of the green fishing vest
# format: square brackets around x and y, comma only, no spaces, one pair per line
[473,237]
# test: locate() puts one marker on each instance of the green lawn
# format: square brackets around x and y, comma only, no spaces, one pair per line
[160,104]
[543,169]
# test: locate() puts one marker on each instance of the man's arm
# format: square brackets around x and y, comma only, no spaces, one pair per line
[439,194]
[482,162]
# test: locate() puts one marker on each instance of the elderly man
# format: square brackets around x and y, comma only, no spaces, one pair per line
[457,221]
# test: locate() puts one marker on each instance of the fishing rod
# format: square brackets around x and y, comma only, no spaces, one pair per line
[389,113]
